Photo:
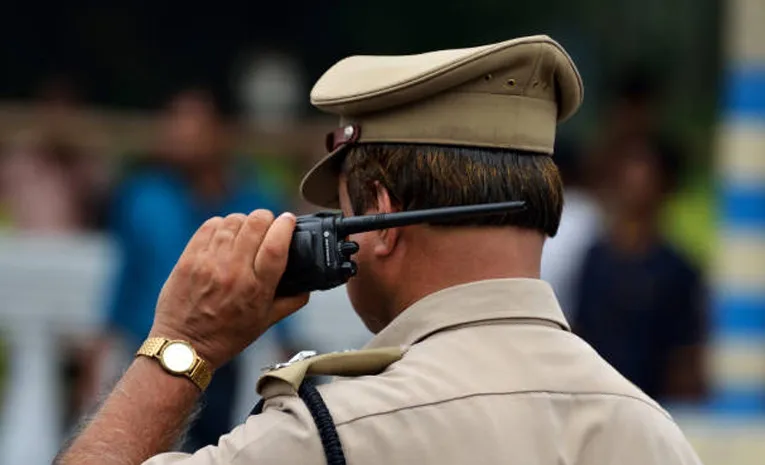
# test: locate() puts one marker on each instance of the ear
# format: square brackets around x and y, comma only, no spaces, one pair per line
[385,239]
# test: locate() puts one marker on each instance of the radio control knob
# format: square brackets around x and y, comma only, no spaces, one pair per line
[349,269]
[348,248]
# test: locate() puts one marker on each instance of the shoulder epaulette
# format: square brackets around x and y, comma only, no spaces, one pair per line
[348,363]
[287,376]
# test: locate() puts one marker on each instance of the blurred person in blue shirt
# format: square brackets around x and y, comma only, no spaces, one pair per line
[640,303]
[189,179]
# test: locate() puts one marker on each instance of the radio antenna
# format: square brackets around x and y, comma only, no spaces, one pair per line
[358,224]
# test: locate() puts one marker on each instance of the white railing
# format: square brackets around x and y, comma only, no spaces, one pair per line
[49,287]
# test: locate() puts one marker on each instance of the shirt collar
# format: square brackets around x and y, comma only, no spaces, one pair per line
[495,299]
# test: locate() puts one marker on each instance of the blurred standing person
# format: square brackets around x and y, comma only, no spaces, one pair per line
[38,188]
[52,179]
[632,113]
[633,109]
[640,303]
[580,225]
[53,183]
[189,179]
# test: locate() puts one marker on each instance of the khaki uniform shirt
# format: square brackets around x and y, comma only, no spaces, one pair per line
[492,375]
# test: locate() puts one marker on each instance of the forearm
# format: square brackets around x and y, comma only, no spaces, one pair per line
[219,298]
[144,415]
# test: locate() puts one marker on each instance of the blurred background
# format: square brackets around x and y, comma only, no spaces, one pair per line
[124,125]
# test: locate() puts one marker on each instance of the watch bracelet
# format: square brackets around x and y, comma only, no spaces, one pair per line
[200,373]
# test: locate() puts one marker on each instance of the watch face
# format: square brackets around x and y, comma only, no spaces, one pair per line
[178,357]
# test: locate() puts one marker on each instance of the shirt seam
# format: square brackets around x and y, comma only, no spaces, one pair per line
[535,322]
[495,394]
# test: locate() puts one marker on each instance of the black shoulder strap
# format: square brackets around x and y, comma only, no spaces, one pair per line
[330,441]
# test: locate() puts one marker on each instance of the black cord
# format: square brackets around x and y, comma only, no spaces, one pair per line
[258,409]
[330,441]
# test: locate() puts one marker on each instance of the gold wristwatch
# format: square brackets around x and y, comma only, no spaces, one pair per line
[179,359]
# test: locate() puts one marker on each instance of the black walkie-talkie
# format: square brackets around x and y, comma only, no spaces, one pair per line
[320,257]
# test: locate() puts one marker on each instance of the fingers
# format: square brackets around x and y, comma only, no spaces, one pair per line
[271,258]
[227,231]
[202,237]
[251,235]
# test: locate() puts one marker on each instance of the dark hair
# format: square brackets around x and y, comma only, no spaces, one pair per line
[428,176]
[669,159]
[638,83]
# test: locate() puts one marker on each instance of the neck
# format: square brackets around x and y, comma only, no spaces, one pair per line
[634,234]
[440,258]
[208,181]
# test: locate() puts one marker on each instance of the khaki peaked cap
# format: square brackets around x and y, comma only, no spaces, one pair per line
[507,95]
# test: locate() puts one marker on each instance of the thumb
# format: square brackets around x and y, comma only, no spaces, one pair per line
[286,306]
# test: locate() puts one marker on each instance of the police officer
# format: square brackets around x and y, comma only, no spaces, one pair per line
[472,361]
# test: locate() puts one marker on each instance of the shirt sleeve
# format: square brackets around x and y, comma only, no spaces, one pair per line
[283,434]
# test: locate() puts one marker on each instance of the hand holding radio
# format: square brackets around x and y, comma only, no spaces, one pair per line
[220,295]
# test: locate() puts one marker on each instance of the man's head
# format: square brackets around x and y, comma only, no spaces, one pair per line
[448,128]
[418,177]
[191,129]
[634,106]
[642,173]
[379,178]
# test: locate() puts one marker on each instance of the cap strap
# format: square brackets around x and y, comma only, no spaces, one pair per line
[342,136]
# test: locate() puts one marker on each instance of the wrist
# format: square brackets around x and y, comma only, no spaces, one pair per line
[200,346]
[163,381]
[178,358]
